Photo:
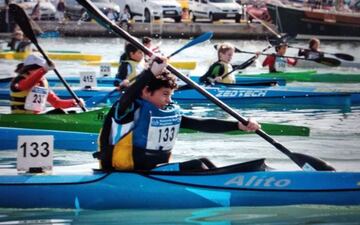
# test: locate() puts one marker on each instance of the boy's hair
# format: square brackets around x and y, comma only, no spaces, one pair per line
[224,47]
[277,47]
[313,41]
[130,48]
[165,79]
[146,40]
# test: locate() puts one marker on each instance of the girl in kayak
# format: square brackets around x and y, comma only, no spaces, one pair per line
[221,67]
[276,62]
[140,130]
[29,90]
[130,66]
[313,51]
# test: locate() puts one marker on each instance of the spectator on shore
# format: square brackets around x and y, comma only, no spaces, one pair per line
[36,13]
[60,10]
[125,19]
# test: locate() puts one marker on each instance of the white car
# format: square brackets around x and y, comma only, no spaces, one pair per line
[150,9]
[215,10]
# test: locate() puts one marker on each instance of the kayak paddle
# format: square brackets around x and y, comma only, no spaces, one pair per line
[204,37]
[302,160]
[322,60]
[22,20]
[342,56]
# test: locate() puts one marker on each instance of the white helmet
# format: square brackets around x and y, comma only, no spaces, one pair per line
[35,59]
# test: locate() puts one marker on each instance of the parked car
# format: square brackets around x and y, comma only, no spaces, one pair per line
[74,11]
[215,10]
[153,9]
[47,9]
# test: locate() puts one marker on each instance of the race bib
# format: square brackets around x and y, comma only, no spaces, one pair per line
[163,132]
[280,65]
[36,99]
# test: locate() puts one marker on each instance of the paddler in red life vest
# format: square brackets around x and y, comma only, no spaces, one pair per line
[140,130]
[29,90]
[276,62]
[313,51]
[131,66]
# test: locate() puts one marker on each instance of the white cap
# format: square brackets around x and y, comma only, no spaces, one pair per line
[35,59]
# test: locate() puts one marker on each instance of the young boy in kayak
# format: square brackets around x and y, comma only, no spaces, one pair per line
[29,90]
[276,62]
[221,67]
[130,67]
[313,51]
[140,130]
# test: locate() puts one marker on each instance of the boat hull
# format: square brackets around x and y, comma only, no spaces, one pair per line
[310,76]
[91,122]
[109,81]
[67,140]
[314,22]
[53,55]
[135,190]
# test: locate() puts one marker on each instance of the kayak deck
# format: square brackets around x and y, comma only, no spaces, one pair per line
[246,184]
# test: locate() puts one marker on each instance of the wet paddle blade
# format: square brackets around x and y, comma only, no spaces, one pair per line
[344,56]
[283,39]
[204,37]
[307,162]
[328,61]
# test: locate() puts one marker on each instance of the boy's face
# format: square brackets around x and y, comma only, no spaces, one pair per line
[282,50]
[226,56]
[137,56]
[160,97]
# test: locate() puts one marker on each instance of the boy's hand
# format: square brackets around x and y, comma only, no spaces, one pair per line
[253,125]
[156,67]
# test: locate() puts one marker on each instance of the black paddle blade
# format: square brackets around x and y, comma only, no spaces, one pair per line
[22,19]
[328,61]
[344,56]
[283,39]
[307,162]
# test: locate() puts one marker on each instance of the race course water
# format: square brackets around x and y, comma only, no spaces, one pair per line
[334,137]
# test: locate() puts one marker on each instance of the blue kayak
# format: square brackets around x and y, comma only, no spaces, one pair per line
[235,96]
[109,81]
[246,184]
[69,140]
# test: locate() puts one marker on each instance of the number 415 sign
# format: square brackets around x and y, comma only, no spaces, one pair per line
[35,152]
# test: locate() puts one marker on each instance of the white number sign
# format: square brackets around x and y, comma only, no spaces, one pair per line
[105,69]
[88,79]
[35,152]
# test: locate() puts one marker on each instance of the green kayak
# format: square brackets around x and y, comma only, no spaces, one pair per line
[308,76]
[92,121]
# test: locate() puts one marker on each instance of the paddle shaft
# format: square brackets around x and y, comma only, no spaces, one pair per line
[23,21]
[111,25]
[322,60]
[343,56]
[265,25]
